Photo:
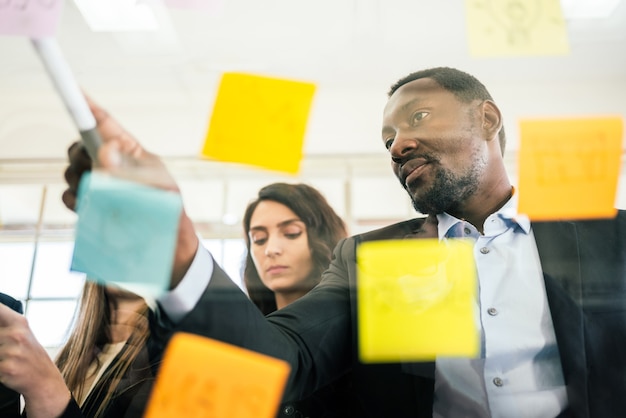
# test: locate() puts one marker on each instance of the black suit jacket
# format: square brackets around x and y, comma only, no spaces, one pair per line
[584,265]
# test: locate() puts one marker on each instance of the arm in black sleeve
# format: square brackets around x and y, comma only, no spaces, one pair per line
[312,334]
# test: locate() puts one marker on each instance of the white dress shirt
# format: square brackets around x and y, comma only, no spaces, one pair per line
[179,301]
[519,371]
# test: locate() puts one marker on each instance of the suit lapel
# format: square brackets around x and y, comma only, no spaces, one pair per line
[558,248]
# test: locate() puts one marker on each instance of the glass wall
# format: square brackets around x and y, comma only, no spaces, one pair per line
[37,230]
[38,274]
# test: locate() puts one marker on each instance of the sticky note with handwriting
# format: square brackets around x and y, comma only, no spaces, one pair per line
[30,18]
[202,377]
[569,167]
[126,233]
[259,121]
[516,27]
[416,300]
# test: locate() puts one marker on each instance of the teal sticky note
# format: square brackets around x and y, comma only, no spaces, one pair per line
[126,233]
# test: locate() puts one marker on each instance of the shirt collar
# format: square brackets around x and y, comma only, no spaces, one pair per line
[508,213]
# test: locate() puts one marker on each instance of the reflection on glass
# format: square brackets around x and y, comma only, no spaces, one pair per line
[52,277]
[215,248]
[50,320]
[229,254]
[15,263]
[233,260]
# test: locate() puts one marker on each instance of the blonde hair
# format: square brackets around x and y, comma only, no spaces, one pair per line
[90,333]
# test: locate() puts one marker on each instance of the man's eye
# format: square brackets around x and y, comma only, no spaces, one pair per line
[388,143]
[418,116]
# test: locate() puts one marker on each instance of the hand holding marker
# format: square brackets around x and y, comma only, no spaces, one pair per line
[75,102]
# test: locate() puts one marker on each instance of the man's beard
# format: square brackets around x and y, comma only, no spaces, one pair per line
[447,192]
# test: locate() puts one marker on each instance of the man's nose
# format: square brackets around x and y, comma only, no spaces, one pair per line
[403,145]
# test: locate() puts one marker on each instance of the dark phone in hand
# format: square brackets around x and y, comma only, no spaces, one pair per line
[9,399]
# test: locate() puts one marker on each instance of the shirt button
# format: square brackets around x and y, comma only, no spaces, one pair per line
[498,382]
[492,311]
[467,231]
[289,410]
[484,250]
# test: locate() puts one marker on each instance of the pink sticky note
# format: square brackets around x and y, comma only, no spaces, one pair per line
[32,18]
[206,5]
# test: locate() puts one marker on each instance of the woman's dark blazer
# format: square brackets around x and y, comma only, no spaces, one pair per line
[130,397]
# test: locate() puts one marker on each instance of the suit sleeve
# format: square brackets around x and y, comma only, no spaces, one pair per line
[312,334]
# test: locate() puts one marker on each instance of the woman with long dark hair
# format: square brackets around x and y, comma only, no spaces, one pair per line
[290,232]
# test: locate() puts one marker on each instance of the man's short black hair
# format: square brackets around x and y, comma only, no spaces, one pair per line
[464,86]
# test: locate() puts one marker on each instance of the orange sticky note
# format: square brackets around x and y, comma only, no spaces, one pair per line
[569,168]
[201,377]
[416,300]
[516,28]
[259,121]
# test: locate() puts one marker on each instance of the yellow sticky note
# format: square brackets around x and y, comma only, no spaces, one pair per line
[201,377]
[416,300]
[569,168]
[259,121]
[512,28]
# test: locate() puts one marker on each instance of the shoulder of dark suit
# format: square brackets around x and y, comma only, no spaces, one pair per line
[405,229]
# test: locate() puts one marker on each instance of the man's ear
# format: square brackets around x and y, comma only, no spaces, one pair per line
[492,120]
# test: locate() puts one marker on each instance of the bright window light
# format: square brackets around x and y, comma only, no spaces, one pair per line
[117,15]
[588,9]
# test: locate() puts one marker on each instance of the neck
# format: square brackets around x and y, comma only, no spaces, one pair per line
[284,299]
[483,206]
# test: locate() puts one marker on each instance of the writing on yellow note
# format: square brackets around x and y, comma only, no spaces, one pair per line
[516,27]
[569,167]
[416,300]
[201,377]
[259,121]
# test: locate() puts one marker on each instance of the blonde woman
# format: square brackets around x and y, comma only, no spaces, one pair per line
[104,370]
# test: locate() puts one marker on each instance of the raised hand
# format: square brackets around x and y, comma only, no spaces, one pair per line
[123,156]
[26,367]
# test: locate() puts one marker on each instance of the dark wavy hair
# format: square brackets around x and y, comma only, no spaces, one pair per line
[464,86]
[324,229]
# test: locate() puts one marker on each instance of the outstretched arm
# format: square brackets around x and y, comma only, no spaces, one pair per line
[313,334]
[123,156]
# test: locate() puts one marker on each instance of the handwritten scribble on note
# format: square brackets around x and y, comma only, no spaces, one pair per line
[415,300]
[569,168]
[126,233]
[554,167]
[201,377]
[516,27]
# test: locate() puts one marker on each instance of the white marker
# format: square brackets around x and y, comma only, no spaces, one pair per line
[65,83]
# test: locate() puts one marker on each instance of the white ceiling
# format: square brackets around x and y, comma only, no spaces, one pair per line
[162,84]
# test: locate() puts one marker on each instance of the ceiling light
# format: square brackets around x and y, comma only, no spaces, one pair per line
[117,15]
